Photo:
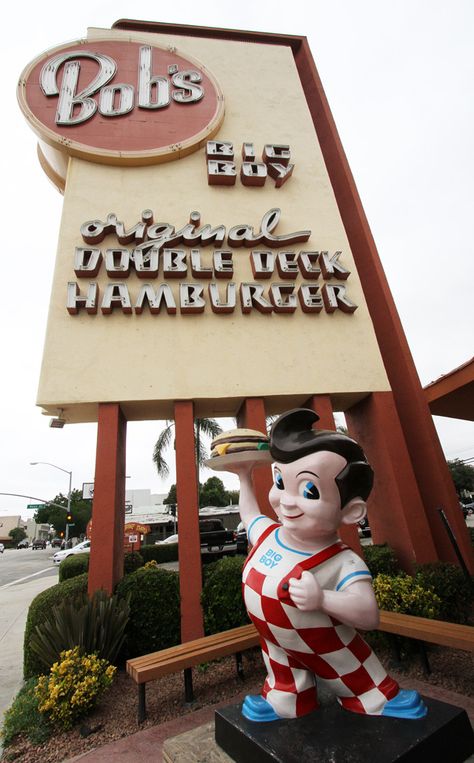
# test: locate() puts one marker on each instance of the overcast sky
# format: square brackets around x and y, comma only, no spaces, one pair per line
[399,80]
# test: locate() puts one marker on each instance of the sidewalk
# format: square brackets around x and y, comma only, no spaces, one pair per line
[15,601]
[148,744]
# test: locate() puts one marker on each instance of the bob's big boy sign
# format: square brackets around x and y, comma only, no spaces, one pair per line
[193,236]
[121,102]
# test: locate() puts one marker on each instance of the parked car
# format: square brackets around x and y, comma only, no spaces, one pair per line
[242,540]
[23,543]
[170,539]
[364,528]
[38,543]
[214,535]
[80,548]
[2,548]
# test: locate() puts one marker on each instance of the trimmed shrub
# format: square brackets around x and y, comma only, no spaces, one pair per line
[167,552]
[221,597]
[38,612]
[23,717]
[155,618]
[404,594]
[454,590]
[73,565]
[381,560]
[95,625]
[132,561]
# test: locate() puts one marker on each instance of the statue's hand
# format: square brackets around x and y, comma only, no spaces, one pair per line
[306,592]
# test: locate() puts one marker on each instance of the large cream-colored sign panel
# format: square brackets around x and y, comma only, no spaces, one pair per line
[146,359]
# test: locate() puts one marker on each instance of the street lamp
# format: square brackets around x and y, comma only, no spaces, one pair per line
[47,463]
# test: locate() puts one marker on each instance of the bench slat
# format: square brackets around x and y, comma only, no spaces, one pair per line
[191,653]
[216,639]
[434,631]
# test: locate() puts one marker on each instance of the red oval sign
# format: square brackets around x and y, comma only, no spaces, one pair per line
[121,102]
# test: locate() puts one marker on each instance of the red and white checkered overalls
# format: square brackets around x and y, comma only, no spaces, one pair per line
[297,645]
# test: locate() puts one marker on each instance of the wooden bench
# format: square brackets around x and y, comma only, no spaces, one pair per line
[433,631]
[186,656]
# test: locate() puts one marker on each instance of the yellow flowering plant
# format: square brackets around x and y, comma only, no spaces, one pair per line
[73,686]
[404,594]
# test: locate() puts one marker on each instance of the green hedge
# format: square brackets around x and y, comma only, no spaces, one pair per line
[453,588]
[132,561]
[166,552]
[381,560]
[221,597]
[155,618]
[38,609]
[73,565]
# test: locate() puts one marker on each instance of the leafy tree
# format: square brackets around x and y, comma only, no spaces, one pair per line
[81,510]
[171,497]
[17,534]
[213,493]
[208,427]
[462,475]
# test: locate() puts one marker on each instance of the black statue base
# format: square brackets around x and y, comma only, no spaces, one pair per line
[336,735]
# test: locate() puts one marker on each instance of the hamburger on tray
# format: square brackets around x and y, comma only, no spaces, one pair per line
[237,446]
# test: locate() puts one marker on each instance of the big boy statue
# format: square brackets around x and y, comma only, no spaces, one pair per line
[305,591]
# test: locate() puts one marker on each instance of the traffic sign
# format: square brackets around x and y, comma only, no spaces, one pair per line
[36,505]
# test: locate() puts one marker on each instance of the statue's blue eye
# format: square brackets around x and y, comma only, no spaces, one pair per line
[310,491]
[279,481]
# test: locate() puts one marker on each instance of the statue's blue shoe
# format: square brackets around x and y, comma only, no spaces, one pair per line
[407,704]
[256,708]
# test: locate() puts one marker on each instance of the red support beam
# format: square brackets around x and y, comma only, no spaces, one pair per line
[189,548]
[396,512]
[108,506]
[252,416]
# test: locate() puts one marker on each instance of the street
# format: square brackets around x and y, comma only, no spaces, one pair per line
[16,565]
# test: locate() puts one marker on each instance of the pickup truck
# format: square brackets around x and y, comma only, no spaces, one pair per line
[214,536]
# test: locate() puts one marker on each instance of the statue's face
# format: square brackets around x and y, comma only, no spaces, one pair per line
[305,496]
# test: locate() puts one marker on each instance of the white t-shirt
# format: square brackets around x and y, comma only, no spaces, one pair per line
[276,559]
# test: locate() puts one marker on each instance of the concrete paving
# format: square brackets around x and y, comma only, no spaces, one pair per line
[14,602]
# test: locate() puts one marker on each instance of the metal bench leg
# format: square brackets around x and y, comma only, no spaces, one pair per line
[141,703]
[424,658]
[240,667]
[188,685]
[395,649]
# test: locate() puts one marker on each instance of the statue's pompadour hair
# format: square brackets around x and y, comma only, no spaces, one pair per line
[293,437]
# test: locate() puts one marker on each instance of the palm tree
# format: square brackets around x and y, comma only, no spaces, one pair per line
[208,427]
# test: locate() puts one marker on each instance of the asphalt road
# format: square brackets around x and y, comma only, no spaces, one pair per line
[19,564]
